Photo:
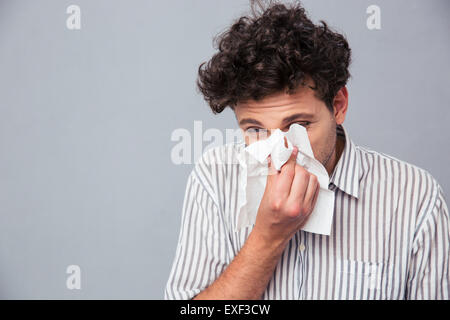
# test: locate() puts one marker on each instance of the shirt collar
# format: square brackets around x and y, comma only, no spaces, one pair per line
[347,171]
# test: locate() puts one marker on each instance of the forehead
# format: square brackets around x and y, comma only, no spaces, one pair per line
[304,93]
[281,105]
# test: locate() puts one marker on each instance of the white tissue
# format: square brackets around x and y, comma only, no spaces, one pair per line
[253,177]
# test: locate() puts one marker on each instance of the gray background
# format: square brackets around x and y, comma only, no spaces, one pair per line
[86,118]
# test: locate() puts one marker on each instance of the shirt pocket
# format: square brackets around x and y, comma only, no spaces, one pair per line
[363,279]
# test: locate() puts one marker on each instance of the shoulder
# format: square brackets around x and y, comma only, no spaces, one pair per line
[218,157]
[404,179]
[216,164]
[386,163]
[221,155]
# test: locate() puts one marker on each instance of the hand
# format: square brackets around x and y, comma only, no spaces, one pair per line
[288,200]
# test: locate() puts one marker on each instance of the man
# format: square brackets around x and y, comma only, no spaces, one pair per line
[391,229]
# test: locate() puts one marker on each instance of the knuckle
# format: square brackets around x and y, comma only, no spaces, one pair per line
[302,173]
[289,173]
[275,205]
[308,210]
[294,211]
[288,169]
[305,210]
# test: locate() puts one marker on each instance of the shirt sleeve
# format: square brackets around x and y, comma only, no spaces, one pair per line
[429,272]
[201,254]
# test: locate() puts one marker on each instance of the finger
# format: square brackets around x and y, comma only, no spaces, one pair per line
[287,174]
[313,205]
[316,196]
[299,184]
[311,192]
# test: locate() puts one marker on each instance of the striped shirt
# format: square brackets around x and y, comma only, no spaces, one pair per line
[390,234]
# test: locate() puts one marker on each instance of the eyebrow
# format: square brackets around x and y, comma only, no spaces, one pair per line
[285,120]
[250,121]
[297,116]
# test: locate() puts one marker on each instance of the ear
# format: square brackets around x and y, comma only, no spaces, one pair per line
[340,104]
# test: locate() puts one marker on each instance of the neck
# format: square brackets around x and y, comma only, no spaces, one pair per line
[335,155]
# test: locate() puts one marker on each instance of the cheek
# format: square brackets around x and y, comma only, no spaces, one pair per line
[318,143]
[315,137]
[315,143]
[315,147]
[249,139]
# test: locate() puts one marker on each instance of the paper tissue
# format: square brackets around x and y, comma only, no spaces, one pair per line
[253,177]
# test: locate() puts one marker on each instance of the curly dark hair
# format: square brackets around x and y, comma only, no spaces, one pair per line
[278,49]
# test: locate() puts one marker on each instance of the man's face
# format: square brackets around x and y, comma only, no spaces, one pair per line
[258,118]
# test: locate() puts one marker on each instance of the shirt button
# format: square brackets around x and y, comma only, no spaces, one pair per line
[301,247]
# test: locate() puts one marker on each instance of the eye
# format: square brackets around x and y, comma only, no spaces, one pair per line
[256,133]
[255,130]
[302,123]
